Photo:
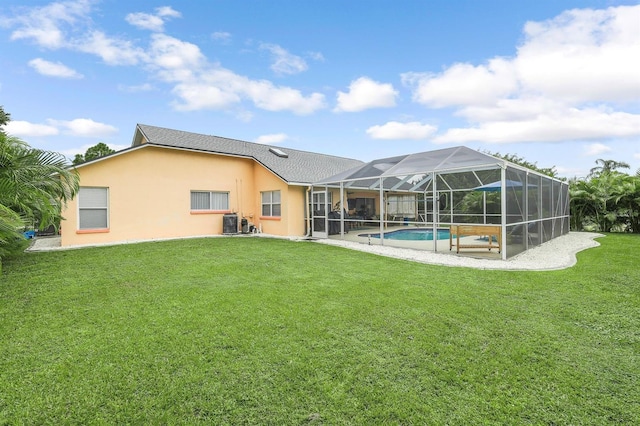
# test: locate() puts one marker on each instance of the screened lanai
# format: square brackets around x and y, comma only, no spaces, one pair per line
[454,199]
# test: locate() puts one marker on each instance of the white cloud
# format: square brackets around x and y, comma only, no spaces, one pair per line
[244,115]
[53,69]
[522,108]
[572,171]
[112,51]
[574,77]
[196,83]
[168,11]
[365,93]
[274,138]
[49,26]
[570,124]
[44,25]
[394,130]
[145,87]
[170,53]
[596,149]
[218,88]
[147,21]
[316,56]
[26,129]
[266,95]
[283,61]
[464,84]
[221,36]
[197,96]
[583,55]
[84,127]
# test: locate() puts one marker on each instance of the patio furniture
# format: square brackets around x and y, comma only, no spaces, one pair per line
[489,231]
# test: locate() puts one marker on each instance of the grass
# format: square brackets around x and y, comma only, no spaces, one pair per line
[260,331]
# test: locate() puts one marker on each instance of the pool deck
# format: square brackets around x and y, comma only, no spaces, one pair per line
[359,236]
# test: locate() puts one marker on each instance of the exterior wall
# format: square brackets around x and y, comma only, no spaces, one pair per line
[149,195]
[296,210]
[267,181]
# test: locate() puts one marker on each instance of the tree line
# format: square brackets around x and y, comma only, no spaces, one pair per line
[607,200]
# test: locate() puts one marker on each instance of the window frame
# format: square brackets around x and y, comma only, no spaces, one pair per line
[79,228]
[270,203]
[211,202]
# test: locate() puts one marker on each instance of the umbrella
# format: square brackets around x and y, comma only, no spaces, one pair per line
[497,186]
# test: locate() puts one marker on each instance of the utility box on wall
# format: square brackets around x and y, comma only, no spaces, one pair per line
[230,223]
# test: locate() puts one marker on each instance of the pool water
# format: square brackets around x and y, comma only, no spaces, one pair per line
[411,234]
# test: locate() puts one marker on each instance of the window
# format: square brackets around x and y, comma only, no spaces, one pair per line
[208,200]
[271,203]
[402,205]
[93,208]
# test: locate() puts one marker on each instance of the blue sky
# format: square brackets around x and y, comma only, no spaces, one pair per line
[556,82]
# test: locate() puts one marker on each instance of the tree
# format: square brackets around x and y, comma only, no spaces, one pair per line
[4,117]
[627,197]
[548,171]
[34,184]
[607,200]
[96,151]
[607,166]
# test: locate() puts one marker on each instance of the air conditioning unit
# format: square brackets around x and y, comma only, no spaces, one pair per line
[230,223]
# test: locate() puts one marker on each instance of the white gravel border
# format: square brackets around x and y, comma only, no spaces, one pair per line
[559,253]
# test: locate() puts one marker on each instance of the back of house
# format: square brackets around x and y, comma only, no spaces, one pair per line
[172,184]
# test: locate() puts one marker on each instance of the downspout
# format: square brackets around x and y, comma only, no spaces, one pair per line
[308,212]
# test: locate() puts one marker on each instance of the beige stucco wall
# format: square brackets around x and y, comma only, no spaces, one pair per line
[296,206]
[149,196]
[267,181]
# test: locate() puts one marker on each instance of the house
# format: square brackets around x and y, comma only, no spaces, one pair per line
[171,183]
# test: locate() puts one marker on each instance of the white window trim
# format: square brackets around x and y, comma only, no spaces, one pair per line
[210,209]
[106,208]
[270,204]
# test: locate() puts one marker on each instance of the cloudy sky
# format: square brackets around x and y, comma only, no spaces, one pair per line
[556,82]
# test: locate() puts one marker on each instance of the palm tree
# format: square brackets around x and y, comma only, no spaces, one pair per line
[5,117]
[627,198]
[33,186]
[585,204]
[607,166]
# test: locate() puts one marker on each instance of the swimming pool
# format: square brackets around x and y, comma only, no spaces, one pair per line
[411,234]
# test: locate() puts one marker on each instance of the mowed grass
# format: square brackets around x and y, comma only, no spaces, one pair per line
[264,331]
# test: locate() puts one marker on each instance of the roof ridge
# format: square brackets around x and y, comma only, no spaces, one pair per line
[248,142]
[296,166]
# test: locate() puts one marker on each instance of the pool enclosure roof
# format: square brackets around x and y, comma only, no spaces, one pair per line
[448,160]
[457,168]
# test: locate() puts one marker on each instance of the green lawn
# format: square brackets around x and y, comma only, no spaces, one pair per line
[262,331]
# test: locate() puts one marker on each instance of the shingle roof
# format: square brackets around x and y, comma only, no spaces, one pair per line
[297,167]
